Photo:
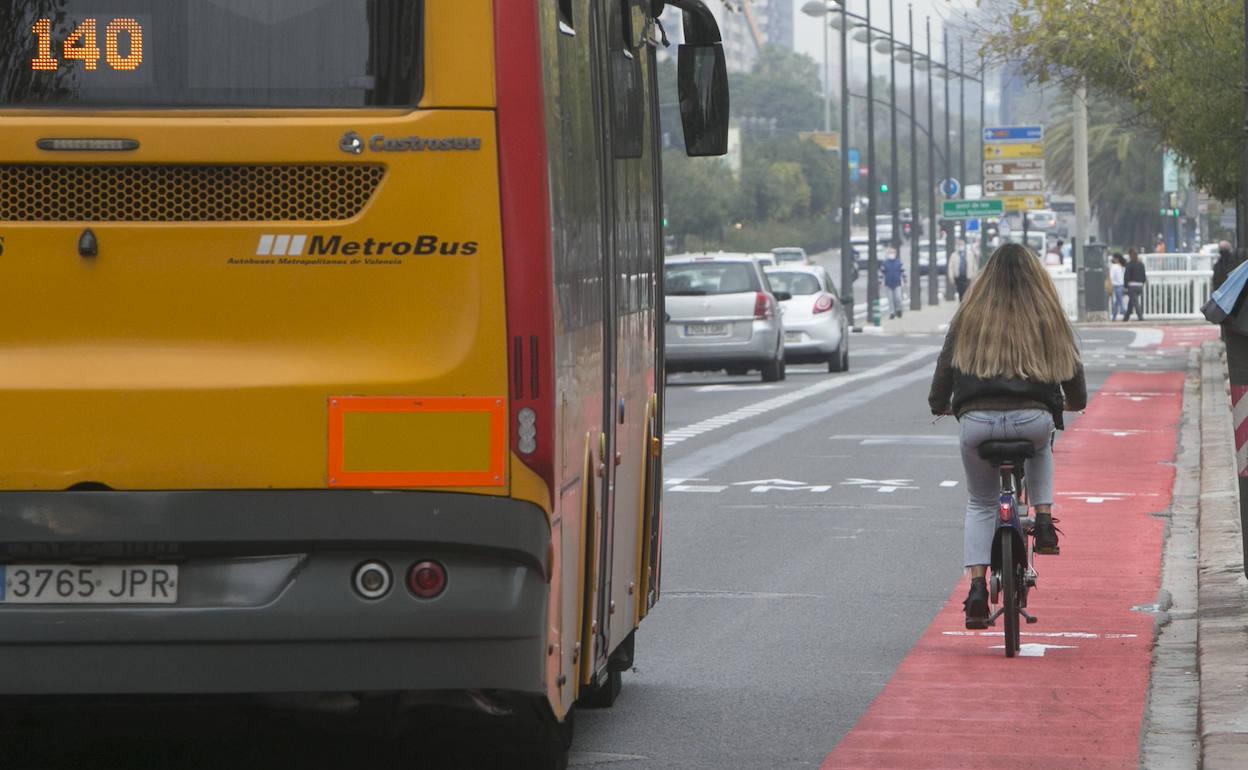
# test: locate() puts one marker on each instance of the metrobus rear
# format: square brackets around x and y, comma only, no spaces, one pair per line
[253,347]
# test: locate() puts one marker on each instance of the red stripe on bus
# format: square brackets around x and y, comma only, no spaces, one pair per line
[525,193]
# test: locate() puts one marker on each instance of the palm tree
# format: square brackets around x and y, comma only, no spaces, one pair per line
[1124,167]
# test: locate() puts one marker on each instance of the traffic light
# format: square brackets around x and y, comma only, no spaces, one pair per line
[906,228]
[884,188]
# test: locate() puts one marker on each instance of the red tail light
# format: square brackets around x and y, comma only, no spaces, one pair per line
[824,303]
[1005,511]
[426,579]
[763,309]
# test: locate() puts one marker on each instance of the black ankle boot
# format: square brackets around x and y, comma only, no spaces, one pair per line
[1046,535]
[976,604]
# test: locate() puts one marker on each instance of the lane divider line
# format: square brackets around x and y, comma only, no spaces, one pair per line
[678,435]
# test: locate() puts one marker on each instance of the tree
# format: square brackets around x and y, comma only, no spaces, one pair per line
[1179,66]
[1124,166]
[784,87]
[698,193]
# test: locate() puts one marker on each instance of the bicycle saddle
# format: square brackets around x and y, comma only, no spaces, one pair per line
[1006,451]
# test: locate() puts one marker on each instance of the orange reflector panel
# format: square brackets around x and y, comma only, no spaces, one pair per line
[417,442]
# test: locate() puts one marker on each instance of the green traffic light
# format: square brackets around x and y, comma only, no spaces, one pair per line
[884,187]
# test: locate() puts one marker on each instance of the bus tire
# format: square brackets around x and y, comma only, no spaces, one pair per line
[602,695]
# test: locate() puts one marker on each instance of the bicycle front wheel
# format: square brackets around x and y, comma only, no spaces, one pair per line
[1009,588]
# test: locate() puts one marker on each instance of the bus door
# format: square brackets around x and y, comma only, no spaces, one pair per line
[603,545]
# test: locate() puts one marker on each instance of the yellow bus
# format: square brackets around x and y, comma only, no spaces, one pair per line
[330,343]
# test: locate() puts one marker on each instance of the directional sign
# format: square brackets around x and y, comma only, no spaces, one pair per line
[1008,186]
[1023,203]
[1009,169]
[973,209]
[950,188]
[1014,134]
[1012,151]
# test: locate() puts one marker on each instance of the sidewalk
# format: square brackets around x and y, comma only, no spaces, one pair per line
[1222,612]
[932,319]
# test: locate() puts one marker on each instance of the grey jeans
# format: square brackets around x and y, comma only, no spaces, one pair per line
[983,482]
[895,300]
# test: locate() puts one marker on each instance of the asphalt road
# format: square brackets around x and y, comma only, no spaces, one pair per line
[806,547]
[813,529]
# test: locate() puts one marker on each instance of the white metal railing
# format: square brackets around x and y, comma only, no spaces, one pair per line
[1167,262]
[1169,294]
[1067,289]
[1177,293]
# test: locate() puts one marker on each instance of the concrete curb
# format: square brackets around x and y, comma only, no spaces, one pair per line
[1222,626]
[1169,736]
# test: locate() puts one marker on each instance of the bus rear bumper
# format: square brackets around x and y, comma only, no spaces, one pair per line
[266,602]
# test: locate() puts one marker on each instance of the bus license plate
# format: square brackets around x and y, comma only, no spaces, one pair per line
[706,330]
[96,584]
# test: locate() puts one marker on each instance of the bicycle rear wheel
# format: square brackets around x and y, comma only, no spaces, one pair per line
[1009,588]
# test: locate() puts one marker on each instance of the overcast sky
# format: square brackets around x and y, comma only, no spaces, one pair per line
[809,35]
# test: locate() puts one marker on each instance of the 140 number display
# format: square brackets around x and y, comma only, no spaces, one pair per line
[82,45]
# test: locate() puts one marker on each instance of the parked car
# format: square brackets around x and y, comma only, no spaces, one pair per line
[925,257]
[721,313]
[815,325]
[789,255]
[766,259]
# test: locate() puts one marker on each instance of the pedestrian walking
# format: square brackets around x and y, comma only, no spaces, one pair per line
[894,273]
[1135,276]
[1118,286]
[962,269]
[1227,261]
[1160,248]
[1060,249]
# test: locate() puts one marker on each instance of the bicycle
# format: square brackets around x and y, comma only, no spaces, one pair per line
[1013,557]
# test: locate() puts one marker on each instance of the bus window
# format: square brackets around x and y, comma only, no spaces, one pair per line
[627,109]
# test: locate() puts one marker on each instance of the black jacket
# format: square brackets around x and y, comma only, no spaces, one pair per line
[1136,273]
[964,392]
[1226,263]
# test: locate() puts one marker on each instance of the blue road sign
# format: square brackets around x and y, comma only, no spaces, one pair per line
[950,188]
[972,225]
[854,160]
[1014,134]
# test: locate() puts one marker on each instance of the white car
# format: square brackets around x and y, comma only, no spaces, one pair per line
[815,325]
[790,255]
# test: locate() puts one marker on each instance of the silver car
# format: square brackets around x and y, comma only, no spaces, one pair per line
[815,325]
[790,255]
[722,314]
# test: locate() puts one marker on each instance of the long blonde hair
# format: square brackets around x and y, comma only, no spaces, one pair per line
[1011,323]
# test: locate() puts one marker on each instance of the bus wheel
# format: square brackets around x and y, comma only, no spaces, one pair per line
[603,695]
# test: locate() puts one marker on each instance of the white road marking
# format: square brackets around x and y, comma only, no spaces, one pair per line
[1033,650]
[948,484]
[713,594]
[1147,338]
[708,489]
[1046,634]
[733,388]
[779,402]
[882,440]
[882,485]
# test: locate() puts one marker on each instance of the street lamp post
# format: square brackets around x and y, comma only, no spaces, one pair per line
[895,181]
[873,263]
[950,243]
[916,286]
[933,282]
[983,102]
[820,9]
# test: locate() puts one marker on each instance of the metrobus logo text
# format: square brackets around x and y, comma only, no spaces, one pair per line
[336,246]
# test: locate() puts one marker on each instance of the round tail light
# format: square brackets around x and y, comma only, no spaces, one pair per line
[426,579]
[372,580]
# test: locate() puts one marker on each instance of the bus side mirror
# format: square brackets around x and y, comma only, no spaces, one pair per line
[702,82]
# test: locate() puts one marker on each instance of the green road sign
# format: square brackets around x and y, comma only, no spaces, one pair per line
[973,209]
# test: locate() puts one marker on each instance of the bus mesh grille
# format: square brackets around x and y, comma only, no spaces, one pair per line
[150,193]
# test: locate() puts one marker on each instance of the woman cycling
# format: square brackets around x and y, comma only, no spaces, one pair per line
[1008,368]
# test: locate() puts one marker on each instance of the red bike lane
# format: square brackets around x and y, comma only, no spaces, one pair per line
[1075,697]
